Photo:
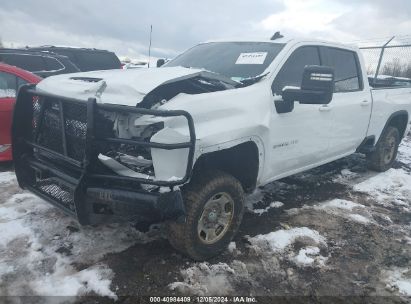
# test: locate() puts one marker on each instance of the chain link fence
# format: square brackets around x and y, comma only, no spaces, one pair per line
[391,58]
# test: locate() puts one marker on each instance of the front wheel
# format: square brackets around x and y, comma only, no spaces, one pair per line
[385,151]
[214,205]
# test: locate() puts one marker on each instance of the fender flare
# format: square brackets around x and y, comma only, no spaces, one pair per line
[392,116]
[232,143]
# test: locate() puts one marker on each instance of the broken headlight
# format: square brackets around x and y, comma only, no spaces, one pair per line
[146,131]
[135,157]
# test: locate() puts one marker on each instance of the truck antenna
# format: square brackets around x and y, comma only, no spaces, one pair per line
[277,35]
[149,47]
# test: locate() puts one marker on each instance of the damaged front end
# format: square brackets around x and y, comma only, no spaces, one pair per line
[101,162]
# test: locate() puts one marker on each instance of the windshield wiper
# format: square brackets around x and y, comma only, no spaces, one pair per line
[249,81]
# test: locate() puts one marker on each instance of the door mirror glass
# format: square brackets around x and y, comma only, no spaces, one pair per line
[317,86]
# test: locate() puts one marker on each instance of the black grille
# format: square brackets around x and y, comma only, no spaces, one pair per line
[76,129]
[48,126]
[60,193]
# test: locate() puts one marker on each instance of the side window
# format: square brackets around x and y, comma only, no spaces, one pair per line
[345,65]
[89,61]
[291,74]
[26,62]
[53,64]
[8,85]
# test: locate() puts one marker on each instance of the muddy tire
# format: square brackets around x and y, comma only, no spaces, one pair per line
[214,205]
[386,150]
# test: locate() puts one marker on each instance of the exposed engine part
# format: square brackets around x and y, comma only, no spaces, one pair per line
[120,168]
[128,126]
[135,161]
[138,164]
[194,85]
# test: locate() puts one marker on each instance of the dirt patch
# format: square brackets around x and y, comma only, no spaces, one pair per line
[316,234]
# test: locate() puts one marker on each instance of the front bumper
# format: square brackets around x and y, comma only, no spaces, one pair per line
[67,173]
[93,204]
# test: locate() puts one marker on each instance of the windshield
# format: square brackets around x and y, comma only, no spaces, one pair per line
[237,60]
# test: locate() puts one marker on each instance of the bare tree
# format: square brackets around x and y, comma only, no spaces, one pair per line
[407,71]
[393,68]
[397,68]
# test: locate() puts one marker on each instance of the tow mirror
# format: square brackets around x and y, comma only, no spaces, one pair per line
[317,86]
[160,62]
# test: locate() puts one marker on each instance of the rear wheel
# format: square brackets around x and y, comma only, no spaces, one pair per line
[385,151]
[214,205]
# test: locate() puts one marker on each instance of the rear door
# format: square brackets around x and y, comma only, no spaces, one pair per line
[350,107]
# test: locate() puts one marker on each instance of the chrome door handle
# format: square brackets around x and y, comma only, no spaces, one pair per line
[365,103]
[325,108]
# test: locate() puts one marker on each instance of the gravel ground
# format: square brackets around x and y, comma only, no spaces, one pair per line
[337,230]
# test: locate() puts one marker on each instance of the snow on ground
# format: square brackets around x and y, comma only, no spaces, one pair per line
[219,279]
[253,199]
[343,208]
[7,177]
[404,151]
[359,218]
[39,241]
[205,279]
[280,239]
[272,205]
[390,187]
[232,247]
[43,252]
[308,256]
[256,198]
[281,243]
[339,204]
[345,176]
[399,279]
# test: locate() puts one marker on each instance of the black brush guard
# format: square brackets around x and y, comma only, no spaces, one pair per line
[55,151]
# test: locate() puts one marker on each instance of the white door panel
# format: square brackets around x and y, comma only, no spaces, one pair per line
[299,138]
[350,120]
[351,103]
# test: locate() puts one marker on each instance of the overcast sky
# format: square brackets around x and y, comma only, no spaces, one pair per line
[123,25]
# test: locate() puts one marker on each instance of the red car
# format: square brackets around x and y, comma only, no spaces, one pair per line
[11,78]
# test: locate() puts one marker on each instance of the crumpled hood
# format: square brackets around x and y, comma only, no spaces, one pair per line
[125,87]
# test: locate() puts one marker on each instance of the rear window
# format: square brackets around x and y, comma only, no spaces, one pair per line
[89,61]
[32,63]
[53,64]
[345,64]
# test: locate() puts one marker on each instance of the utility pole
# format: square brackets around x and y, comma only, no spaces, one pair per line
[149,48]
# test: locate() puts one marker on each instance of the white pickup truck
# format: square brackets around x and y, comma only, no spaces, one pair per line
[183,143]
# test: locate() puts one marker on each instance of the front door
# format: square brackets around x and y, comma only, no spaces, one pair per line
[299,139]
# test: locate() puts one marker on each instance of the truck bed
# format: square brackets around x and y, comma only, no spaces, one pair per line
[387,101]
